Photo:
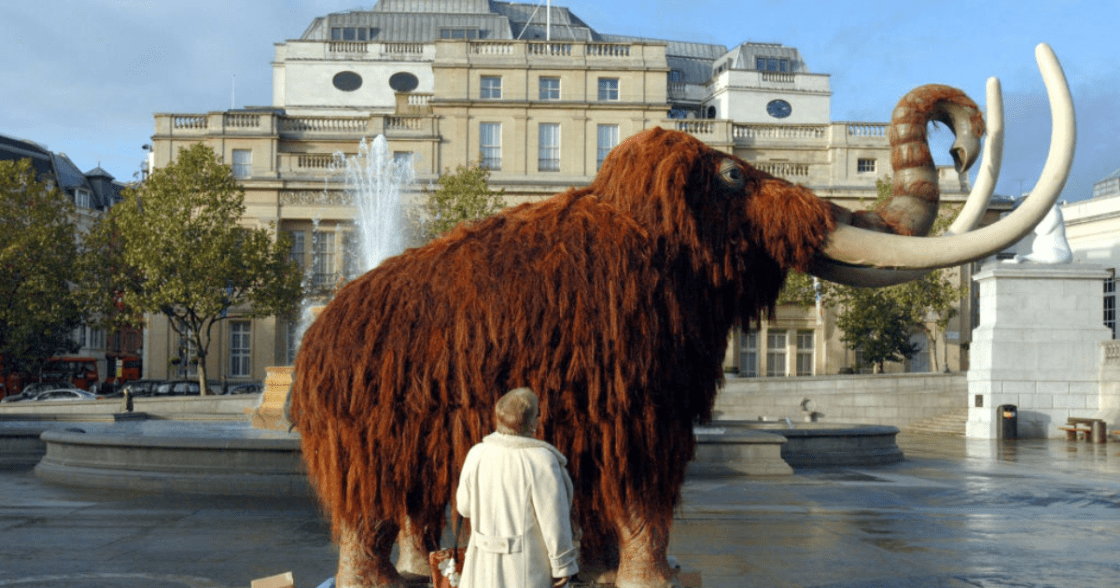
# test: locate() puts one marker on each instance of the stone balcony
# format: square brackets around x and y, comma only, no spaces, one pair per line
[540,53]
[410,125]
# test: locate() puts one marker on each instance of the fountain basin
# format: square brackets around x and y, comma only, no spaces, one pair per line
[232,458]
[162,456]
[821,444]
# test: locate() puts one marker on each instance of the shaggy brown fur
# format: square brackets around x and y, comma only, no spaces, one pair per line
[612,302]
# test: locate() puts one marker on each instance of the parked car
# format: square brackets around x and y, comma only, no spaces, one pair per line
[178,388]
[32,390]
[245,388]
[136,388]
[64,394]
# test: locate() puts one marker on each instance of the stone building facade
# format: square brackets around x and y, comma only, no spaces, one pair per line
[540,99]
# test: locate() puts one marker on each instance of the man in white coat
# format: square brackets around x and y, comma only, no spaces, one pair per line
[518,496]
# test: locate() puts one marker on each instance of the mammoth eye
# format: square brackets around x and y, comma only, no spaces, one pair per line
[731,173]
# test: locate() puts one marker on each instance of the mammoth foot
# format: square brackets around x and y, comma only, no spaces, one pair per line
[648,577]
[635,579]
[363,562]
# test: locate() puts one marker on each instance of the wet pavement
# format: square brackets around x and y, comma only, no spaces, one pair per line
[956,513]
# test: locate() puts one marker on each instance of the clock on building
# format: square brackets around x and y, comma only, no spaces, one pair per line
[779,108]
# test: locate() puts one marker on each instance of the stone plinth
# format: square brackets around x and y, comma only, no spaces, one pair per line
[1036,346]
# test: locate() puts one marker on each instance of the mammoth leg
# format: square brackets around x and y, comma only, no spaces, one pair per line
[363,559]
[598,561]
[643,553]
[414,547]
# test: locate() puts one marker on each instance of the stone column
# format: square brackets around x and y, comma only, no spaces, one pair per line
[1036,346]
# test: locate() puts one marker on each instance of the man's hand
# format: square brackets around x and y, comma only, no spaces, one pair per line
[558,582]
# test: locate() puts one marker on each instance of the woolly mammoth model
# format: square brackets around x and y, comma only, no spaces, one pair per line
[613,302]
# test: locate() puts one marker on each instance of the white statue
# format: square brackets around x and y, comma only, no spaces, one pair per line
[1049,244]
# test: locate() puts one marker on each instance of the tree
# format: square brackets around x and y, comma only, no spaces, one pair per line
[926,304]
[38,310]
[183,253]
[876,323]
[464,195]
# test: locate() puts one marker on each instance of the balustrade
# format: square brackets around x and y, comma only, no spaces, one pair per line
[404,123]
[695,127]
[189,121]
[293,124]
[492,48]
[402,49]
[314,161]
[780,78]
[867,129]
[553,49]
[1111,354]
[784,170]
[347,47]
[242,121]
[797,132]
[608,50]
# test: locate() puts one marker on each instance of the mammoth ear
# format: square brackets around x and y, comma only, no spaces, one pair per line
[789,222]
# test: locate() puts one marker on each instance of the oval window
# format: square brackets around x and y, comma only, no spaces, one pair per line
[779,108]
[347,81]
[403,82]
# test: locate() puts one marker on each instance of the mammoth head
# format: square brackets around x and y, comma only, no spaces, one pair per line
[686,192]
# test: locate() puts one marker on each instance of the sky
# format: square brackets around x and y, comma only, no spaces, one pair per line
[84,77]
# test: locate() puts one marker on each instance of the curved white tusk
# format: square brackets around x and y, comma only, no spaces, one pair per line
[988,174]
[968,218]
[849,245]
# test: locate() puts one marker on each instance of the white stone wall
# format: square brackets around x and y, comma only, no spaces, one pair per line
[1036,347]
[894,399]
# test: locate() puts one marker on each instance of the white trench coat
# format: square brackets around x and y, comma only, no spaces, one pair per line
[518,497]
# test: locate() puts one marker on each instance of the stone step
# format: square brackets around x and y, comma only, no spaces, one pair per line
[948,423]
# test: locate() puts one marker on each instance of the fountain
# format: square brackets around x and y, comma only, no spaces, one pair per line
[373,182]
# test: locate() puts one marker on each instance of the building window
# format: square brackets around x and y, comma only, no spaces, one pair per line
[242,163]
[772,64]
[97,338]
[548,152]
[347,81]
[403,81]
[349,34]
[490,88]
[322,259]
[299,248]
[83,198]
[804,353]
[608,89]
[550,88]
[403,160]
[919,362]
[350,255]
[865,165]
[748,354]
[240,347]
[775,353]
[1110,304]
[490,145]
[608,139]
[459,34]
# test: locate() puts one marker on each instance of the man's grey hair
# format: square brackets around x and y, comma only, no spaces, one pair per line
[516,410]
